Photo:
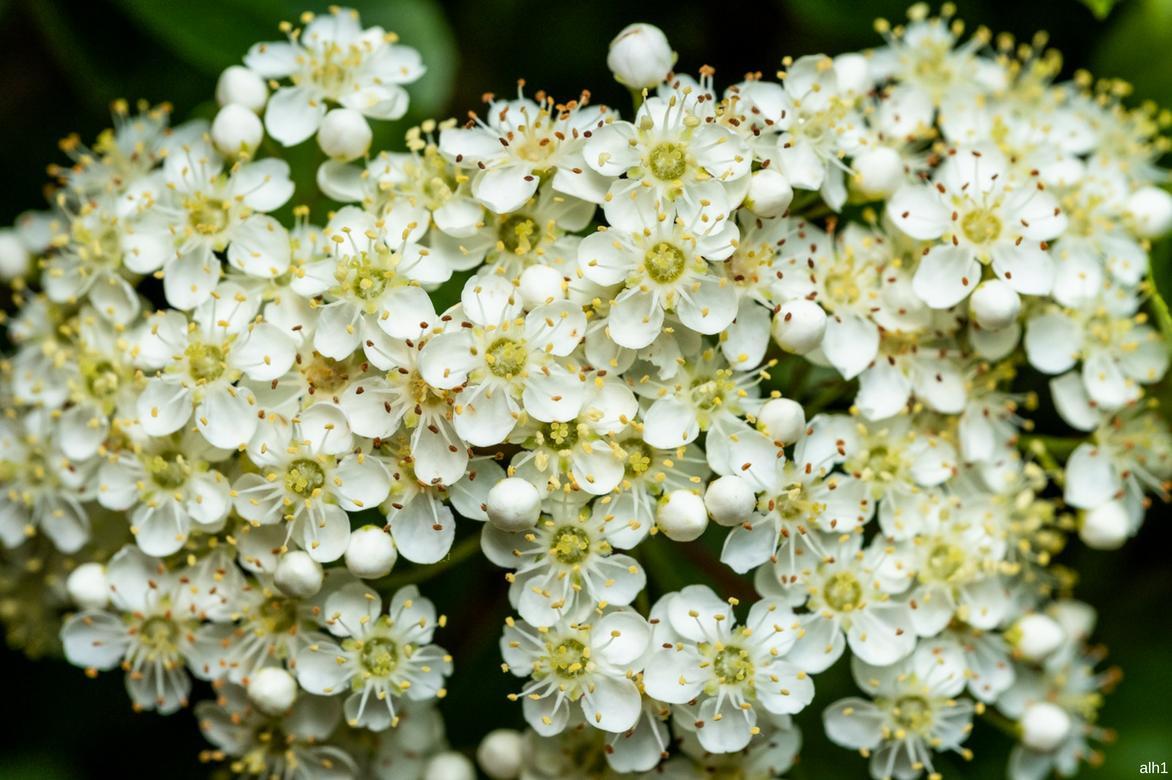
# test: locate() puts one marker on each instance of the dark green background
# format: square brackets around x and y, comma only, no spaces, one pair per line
[62,62]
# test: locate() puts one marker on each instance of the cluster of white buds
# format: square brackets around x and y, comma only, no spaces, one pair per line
[814,310]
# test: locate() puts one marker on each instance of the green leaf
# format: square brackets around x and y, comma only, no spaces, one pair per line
[1160,269]
[1136,49]
[1100,8]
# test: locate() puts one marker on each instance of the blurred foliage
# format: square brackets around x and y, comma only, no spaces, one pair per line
[63,61]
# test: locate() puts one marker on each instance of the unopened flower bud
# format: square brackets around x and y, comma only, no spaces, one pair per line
[769,193]
[1044,726]
[449,765]
[1151,209]
[782,419]
[683,516]
[344,134]
[1038,635]
[14,257]
[1105,527]
[236,131]
[500,752]
[878,172]
[87,586]
[799,326]
[852,73]
[298,574]
[994,304]
[371,553]
[272,690]
[730,500]
[1077,618]
[640,56]
[540,283]
[513,504]
[242,86]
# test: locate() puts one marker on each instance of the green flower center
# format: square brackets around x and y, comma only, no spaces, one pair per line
[158,635]
[280,616]
[518,234]
[913,713]
[506,357]
[304,477]
[732,666]
[168,470]
[563,435]
[207,216]
[668,161]
[638,458]
[665,263]
[842,286]
[205,362]
[380,657]
[980,226]
[100,377]
[842,592]
[367,282]
[570,545]
[569,658]
[943,563]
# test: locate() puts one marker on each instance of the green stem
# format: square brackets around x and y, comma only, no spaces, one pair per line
[1001,723]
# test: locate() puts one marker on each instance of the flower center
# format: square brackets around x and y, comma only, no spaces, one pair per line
[205,362]
[732,666]
[570,545]
[380,656]
[158,635]
[943,563]
[980,226]
[304,477]
[842,285]
[100,377]
[506,357]
[563,435]
[569,658]
[280,616]
[207,216]
[638,458]
[367,281]
[168,470]
[665,263]
[518,234]
[912,713]
[842,592]
[668,161]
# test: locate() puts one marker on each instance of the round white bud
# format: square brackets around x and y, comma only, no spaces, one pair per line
[769,193]
[1038,635]
[513,504]
[236,130]
[782,419]
[14,256]
[1151,208]
[371,553]
[683,516]
[640,56]
[499,754]
[540,283]
[878,172]
[449,765]
[344,134]
[87,586]
[994,304]
[240,85]
[852,73]
[298,574]
[1077,618]
[799,326]
[272,690]
[730,500]
[1044,726]
[1105,527]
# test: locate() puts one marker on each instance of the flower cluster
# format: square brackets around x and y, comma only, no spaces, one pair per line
[813,319]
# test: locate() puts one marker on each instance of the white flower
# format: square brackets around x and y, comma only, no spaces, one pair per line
[169,487]
[250,738]
[198,210]
[566,565]
[592,665]
[700,653]
[674,149]
[147,630]
[845,593]
[914,712]
[505,364]
[310,475]
[660,256]
[333,60]
[381,658]
[200,360]
[981,213]
[523,141]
